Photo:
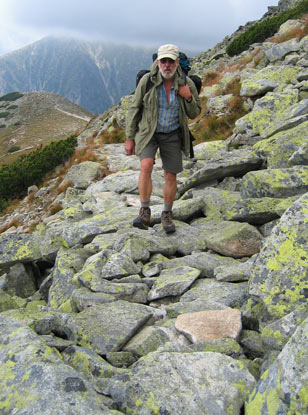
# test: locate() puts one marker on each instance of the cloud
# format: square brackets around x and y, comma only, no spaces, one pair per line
[194,24]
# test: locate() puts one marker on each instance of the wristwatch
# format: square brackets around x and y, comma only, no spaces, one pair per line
[189,100]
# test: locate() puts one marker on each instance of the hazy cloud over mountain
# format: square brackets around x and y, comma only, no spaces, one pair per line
[194,25]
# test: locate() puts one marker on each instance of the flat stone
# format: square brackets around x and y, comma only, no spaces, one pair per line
[210,325]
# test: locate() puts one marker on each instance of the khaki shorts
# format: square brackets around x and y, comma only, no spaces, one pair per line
[170,148]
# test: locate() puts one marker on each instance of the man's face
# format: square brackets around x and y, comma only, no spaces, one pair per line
[167,67]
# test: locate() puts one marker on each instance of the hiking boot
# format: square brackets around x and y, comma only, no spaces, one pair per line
[166,221]
[142,221]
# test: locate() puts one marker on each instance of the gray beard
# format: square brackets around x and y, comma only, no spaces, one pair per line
[167,76]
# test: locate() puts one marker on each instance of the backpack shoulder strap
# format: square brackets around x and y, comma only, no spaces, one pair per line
[149,84]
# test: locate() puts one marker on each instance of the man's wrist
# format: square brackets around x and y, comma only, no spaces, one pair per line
[189,100]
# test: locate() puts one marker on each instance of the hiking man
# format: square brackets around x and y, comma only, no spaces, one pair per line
[157,119]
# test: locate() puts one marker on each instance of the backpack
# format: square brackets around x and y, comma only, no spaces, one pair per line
[184,63]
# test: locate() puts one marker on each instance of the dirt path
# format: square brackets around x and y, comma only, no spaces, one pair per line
[73,115]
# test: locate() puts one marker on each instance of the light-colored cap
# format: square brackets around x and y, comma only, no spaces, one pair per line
[168,51]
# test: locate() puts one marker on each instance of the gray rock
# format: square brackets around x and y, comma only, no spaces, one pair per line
[210,290]
[300,156]
[279,273]
[146,341]
[18,248]
[185,239]
[283,387]
[20,280]
[108,327]
[83,174]
[205,262]
[68,263]
[232,238]
[237,163]
[235,273]
[278,51]
[106,265]
[275,182]
[34,372]
[211,381]
[275,335]
[260,87]
[173,282]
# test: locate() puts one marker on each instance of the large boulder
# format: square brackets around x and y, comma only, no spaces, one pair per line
[282,388]
[279,274]
[34,379]
[194,383]
[275,182]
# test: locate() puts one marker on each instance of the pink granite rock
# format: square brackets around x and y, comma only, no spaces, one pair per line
[210,325]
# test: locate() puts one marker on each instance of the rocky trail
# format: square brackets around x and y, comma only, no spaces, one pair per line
[98,317]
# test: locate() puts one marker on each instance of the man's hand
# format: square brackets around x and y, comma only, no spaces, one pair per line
[184,92]
[130,147]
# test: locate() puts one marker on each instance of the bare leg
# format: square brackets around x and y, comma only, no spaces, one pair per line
[170,187]
[145,180]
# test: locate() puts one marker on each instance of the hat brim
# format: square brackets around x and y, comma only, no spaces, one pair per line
[167,55]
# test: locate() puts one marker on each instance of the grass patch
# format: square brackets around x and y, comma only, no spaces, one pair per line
[13,149]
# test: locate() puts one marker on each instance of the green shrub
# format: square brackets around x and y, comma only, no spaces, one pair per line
[12,107]
[259,32]
[13,149]
[30,169]
[12,96]
[4,114]
[2,125]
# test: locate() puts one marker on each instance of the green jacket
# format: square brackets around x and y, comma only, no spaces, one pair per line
[142,114]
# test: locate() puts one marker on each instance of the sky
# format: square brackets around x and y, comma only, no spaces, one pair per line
[193,25]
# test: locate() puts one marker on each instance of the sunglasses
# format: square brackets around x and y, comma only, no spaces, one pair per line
[169,60]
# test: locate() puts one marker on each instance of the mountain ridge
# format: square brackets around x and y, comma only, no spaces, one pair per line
[94,75]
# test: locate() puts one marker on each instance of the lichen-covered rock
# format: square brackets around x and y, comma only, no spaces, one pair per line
[18,248]
[275,182]
[35,380]
[278,51]
[230,238]
[20,281]
[213,384]
[227,205]
[300,156]
[275,335]
[7,302]
[185,239]
[257,88]
[173,282]
[237,162]
[292,117]
[267,109]
[280,147]
[83,174]
[205,262]
[282,388]
[234,273]
[106,265]
[146,341]
[279,274]
[210,290]
[68,263]
[108,327]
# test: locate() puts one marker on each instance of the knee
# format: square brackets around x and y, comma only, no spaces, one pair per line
[170,177]
[146,166]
